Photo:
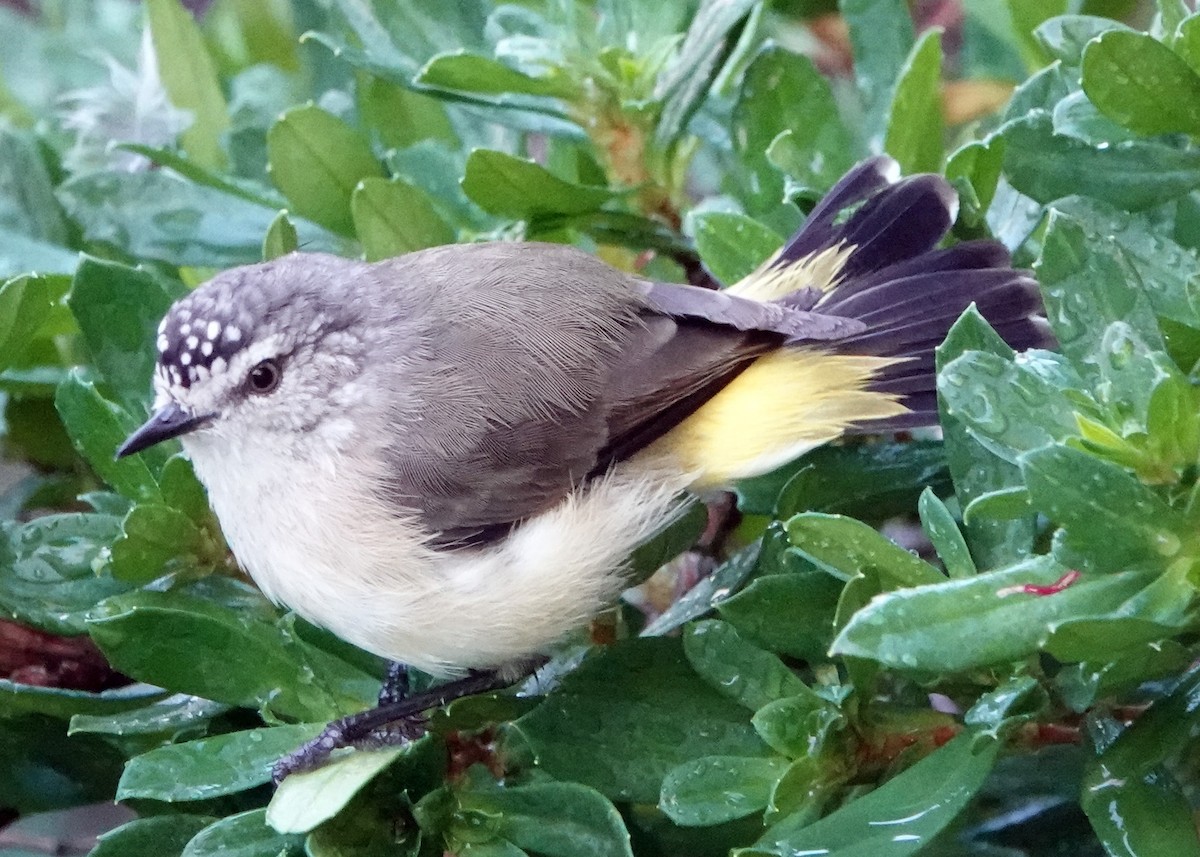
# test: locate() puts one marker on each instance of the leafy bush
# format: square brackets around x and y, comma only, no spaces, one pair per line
[1026,691]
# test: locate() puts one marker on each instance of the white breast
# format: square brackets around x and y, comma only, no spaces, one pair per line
[314,538]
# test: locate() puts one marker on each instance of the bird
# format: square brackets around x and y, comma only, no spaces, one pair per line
[446,458]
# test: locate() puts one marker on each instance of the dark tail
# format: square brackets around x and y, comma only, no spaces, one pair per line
[907,292]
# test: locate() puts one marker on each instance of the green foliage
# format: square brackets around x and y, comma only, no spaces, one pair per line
[783,704]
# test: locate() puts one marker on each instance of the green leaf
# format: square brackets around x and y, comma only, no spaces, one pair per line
[41,770]
[118,309]
[797,726]
[1187,42]
[554,819]
[914,125]
[17,699]
[309,798]
[156,215]
[210,767]
[401,116]
[49,577]
[787,613]
[1142,84]
[710,591]
[999,712]
[944,535]
[178,162]
[393,217]
[1110,518]
[190,632]
[715,789]
[735,668]
[867,481]
[628,715]
[243,835]
[979,163]
[466,72]
[899,817]
[1009,407]
[882,35]
[190,78]
[1135,176]
[97,427]
[155,836]
[684,83]
[1087,282]
[1135,805]
[174,715]
[731,245]
[28,206]
[20,254]
[153,535]
[976,470]
[281,238]
[1065,37]
[977,621]
[28,305]
[520,189]
[847,548]
[1163,267]
[317,161]
[1080,685]
[786,119]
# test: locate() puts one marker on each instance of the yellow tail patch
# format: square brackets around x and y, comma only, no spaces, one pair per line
[821,270]
[784,404]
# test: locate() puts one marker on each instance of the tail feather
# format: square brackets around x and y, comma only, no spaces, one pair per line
[878,266]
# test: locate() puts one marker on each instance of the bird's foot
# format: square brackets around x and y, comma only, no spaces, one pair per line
[395,684]
[392,722]
[359,731]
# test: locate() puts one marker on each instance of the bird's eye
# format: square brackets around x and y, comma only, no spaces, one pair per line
[264,377]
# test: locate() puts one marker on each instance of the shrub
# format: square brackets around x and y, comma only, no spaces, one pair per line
[1027,689]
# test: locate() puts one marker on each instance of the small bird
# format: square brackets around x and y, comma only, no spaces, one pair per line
[446,458]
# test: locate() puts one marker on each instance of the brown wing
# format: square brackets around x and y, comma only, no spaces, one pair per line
[541,366]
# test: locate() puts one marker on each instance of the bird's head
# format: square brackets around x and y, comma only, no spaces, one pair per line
[259,352]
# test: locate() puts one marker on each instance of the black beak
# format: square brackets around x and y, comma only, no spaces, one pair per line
[167,422]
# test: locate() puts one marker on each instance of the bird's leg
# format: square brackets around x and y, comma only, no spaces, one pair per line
[393,722]
[395,684]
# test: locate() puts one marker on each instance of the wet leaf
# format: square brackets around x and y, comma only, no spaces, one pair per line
[735,668]
[309,798]
[555,819]
[733,245]
[715,789]
[899,817]
[1110,517]
[943,533]
[1135,176]
[978,621]
[628,715]
[210,767]
[243,835]
[786,119]
[847,548]
[1141,83]
[155,836]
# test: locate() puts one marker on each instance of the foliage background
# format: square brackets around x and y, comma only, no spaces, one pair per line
[823,690]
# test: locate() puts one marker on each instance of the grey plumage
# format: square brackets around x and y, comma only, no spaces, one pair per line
[514,372]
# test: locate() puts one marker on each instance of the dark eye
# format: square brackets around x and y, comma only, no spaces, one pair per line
[264,377]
